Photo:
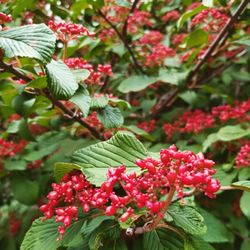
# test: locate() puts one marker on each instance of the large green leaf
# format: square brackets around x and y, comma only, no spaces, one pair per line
[121,149]
[110,117]
[244,204]
[196,243]
[162,239]
[216,230]
[82,99]
[42,235]
[188,218]
[136,83]
[230,133]
[61,82]
[196,38]
[35,41]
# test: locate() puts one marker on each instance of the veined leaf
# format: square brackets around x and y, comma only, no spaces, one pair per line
[35,41]
[242,185]
[121,149]
[61,81]
[162,239]
[188,218]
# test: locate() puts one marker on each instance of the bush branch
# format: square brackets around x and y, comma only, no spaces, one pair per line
[59,104]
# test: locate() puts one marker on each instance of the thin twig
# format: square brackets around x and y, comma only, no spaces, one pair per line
[131,11]
[168,98]
[137,65]
[59,104]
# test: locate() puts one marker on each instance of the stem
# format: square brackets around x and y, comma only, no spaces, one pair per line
[93,130]
[136,64]
[169,98]
[65,47]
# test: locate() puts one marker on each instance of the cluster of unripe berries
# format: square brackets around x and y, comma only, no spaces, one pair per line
[124,195]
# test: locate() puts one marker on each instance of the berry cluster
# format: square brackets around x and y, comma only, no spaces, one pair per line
[212,20]
[147,126]
[152,38]
[243,157]
[4,18]
[68,31]
[197,120]
[159,53]
[172,15]
[175,170]
[10,148]
[96,77]
[34,165]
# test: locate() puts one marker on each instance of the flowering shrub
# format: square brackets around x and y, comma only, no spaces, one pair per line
[95,95]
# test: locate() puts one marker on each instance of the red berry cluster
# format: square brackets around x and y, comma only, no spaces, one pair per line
[147,126]
[93,121]
[14,224]
[96,77]
[190,121]
[237,112]
[178,38]
[68,31]
[107,35]
[174,170]
[10,148]
[197,120]
[172,15]
[34,165]
[243,157]
[152,38]
[159,53]
[212,20]
[4,18]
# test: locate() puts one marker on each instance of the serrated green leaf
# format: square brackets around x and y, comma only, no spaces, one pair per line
[216,230]
[61,168]
[61,81]
[136,83]
[121,149]
[110,117]
[39,83]
[83,100]
[196,243]
[99,102]
[35,41]
[42,235]
[162,239]
[188,218]
[244,204]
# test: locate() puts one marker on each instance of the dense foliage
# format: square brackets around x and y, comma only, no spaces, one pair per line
[125,124]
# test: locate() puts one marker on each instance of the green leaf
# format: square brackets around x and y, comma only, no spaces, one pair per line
[229,133]
[216,230]
[99,102]
[245,245]
[188,218]
[162,239]
[171,77]
[212,138]
[61,81]
[25,191]
[80,74]
[121,149]
[11,164]
[119,103]
[197,243]
[189,96]
[244,41]
[189,14]
[196,38]
[42,235]
[88,228]
[82,99]
[61,168]
[136,83]
[39,83]
[244,204]
[242,185]
[35,41]
[123,3]
[110,117]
